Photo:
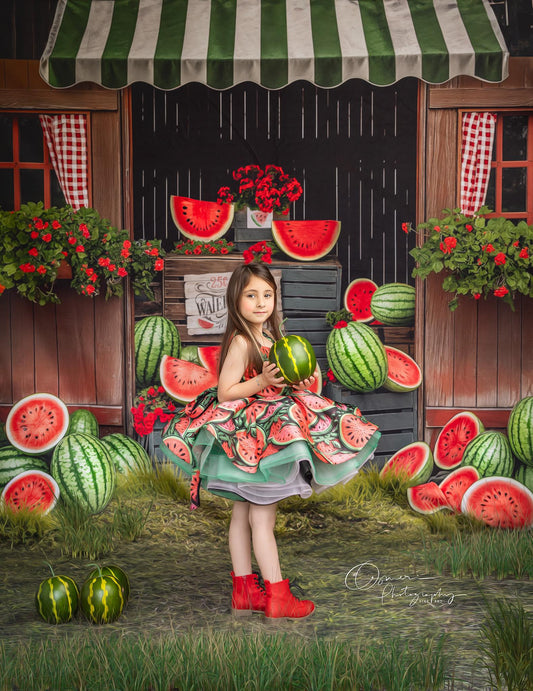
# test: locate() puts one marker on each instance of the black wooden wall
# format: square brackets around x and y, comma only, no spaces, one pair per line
[353,148]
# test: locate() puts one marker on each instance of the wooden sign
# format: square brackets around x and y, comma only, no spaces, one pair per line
[205,301]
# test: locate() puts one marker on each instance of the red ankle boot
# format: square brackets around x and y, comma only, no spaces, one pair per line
[281,603]
[248,596]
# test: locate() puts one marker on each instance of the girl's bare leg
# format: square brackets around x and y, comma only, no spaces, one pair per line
[262,519]
[240,539]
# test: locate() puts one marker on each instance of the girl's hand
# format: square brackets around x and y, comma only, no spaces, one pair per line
[270,375]
[304,384]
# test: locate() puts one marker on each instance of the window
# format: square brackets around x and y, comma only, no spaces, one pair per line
[26,172]
[510,191]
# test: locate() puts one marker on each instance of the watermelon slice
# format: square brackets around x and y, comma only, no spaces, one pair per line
[357,298]
[208,357]
[500,502]
[316,386]
[427,498]
[35,424]
[413,462]
[403,372]
[453,439]
[306,240]
[456,483]
[183,380]
[33,490]
[201,220]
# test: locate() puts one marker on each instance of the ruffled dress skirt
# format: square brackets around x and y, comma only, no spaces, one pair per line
[261,449]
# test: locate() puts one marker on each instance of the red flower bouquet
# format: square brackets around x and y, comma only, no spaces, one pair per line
[269,190]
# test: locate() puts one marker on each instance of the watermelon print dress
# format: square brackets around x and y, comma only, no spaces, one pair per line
[278,443]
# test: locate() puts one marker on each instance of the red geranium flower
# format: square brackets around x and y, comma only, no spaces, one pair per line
[159,264]
[500,292]
[524,253]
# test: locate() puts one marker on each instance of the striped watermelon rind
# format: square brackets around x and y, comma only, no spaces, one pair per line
[127,454]
[490,454]
[57,599]
[524,474]
[520,430]
[357,357]
[295,358]
[155,336]
[393,304]
[84,471]
[13,462]
[83,420]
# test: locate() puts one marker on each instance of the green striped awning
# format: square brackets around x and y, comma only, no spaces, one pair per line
[220,43]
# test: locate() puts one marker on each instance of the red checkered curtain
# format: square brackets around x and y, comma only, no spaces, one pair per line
[476,154]
[66,137]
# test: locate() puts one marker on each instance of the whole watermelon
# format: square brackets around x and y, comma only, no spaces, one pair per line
[127,454]
[356,356]
[155,336]
[84,471]
[13,462]
[490,454]
[83,420]
[393,304]
[520,430]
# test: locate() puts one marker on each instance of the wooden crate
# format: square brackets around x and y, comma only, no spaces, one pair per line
[394,413]
[309,291]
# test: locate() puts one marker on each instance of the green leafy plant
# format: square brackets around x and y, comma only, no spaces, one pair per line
[480,256]
[34,242]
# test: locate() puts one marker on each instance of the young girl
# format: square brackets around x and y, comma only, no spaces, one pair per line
[256,440]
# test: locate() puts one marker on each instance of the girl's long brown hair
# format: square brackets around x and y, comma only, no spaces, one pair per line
[236,324]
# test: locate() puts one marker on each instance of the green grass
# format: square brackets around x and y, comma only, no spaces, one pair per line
[482,553]
[221,660]
[507,645]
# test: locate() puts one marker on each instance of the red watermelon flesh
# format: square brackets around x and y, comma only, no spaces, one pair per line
[413,462]
[453,439]
[184,380]
[357,298]
[403,373]
[201,220]
[32,490]
[37,423]
[500,502]
[209,357]
[306,240]
[456,483]
[427,498]
[316,386]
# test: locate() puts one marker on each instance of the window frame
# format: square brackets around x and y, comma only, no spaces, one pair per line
[46,165]
[499,164]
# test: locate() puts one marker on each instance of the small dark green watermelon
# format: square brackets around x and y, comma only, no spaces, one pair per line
[57,599]
[101,599]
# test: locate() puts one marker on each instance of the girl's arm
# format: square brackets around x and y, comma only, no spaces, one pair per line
[230,386]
